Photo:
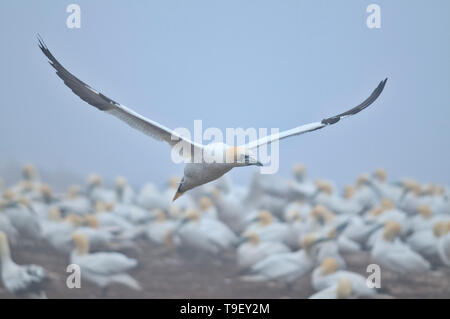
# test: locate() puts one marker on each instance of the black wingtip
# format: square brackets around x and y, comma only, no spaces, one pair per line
[375,94]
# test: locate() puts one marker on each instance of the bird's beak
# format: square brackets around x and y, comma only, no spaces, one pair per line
[177,194]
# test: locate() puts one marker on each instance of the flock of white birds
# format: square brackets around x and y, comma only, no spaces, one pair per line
[278,229]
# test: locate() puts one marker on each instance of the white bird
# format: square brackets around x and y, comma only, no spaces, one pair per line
[341,290]
[328,275]
[20,215]
[253,250]
[442,231]
[124,193]
[102,268]
[396,255]
[24,280]
[205,234]
[97,192]
[285,267]
[74,201]
[268,229]
[216,159]
[163,230]
[334,202]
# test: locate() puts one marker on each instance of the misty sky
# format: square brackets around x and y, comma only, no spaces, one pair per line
[232,64]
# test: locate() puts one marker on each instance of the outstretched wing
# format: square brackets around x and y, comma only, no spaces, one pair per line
[318,125]
[104,103]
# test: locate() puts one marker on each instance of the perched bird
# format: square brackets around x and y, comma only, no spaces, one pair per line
[21,280]
[205,163]
[102,268]
[341,290]
[442,232]
[205,234]
[252,250]
[163,230]
[328,275]
[284,267]
[396,255]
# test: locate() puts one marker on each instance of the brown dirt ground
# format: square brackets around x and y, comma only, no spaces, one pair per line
[165,273]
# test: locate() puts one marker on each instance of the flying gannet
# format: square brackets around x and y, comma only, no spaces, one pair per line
[196,173]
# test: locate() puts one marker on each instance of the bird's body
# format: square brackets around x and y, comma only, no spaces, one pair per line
[102,268]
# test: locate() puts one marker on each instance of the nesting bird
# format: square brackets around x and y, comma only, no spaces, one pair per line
[21,280]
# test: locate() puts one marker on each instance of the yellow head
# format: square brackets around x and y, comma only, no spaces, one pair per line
[81,243]
[54,214]
[328,266]
[205,203]
[240,156]
[121,182]
[28,171]
[376,211]
[362,180]
[45,190]
[100,207]
[265,217]
[24,201]
[324,187]
[323,214]
[441,228]
[412,186]
[299,170]
[293,215]
[380,174]
[252,237]
[75,220]
[160,216]
[109,207]
[73,191]
[94,180]
[387,204]
[192,214]
[425,211]
[92,221]
[308,242]
[391,230]
[9,194]
[349,192]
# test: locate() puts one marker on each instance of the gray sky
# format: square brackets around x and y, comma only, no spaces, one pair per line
[232,64]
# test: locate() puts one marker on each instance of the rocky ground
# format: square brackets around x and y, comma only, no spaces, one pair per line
[165,273]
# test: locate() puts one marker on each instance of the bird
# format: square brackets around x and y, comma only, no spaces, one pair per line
[328,275]
[102,268]
[204,163]
[26,280]
[341,290]
[284,267]
[163,230]
[396,255]
[442,232]
[253,250]
[205,234]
